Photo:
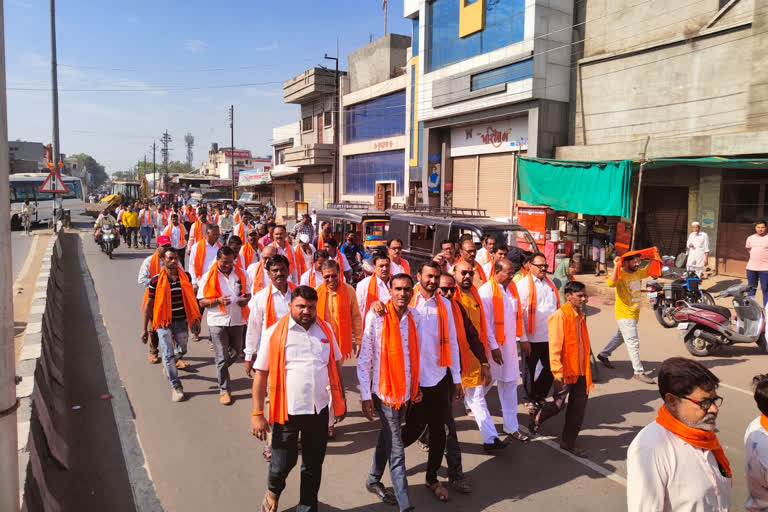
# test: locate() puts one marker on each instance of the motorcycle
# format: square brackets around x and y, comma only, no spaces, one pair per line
[665,297]
[707,327]
[109,239]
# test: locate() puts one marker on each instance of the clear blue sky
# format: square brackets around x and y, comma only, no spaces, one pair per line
[171,56]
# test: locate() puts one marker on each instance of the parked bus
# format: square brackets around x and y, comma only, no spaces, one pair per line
[26,186]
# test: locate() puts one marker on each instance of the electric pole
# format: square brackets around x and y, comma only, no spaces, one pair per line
[56,149]
[154,169]
[384,6]
[336,103]
[165,140]
[232,152]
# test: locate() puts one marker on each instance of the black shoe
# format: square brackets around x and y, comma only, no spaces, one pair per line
[495,445]
[384,494]
[606,362]
[533,425]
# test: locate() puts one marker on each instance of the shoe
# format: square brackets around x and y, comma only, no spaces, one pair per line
[494,446]
[225,399]
[195,338]
[384,494]
[606,362]
[177,395]
[643,378]
[153,359]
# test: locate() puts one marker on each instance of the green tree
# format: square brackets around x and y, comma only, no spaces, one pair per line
[177,167]
[95,169]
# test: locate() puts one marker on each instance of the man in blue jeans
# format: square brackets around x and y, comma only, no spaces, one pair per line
[175,299]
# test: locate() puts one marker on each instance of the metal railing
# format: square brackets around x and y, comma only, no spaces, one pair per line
[442,211]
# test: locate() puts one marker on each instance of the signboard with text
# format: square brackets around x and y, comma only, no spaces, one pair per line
[237,153]
[251,177]
[490,137]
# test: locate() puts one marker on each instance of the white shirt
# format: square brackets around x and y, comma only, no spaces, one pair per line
[251,271]
[347,267]
[292,277]
[369,361]
[487,269]
[307,257]
[230,287]
[362,292]
[307,387]
[144,277]
[700,241]
[664,473]
[176,237]
[546,304]
[208,261]
[756,447]
[482,257]
[146,220]
[395,269]
[256,321]
[304,281]
[510,370]
[430,373]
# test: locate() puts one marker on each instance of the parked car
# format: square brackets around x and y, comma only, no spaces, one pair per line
[422,230]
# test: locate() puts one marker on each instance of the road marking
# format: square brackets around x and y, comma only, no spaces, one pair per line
[736,389]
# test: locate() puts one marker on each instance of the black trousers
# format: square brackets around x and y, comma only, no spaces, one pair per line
[574,414]
[538,389]
[314,439]
[434,411]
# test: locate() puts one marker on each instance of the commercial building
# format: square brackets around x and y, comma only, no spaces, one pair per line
[220,160]
[487,81]
[285,185]
[26,156]
[679,80]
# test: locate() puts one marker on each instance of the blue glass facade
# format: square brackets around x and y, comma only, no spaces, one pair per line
[511,73]
[361,172]
[415,38]
[374,119]
[504,25]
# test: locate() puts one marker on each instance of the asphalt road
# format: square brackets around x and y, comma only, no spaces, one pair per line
[201,456]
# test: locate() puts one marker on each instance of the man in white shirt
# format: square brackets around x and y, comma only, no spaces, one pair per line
[145,276]
[267,307]
[698,249]
[304,250]
[177,233]
[257,271]
[505,370]
[499,252]
[676,462]
[485,253]
[226,319]
[311,367]
[199,265]
[756,445]
[367,293]
[439,373]
[332,247]
[285,249]
[539,298]
[314,276]
[390,392]
[398,265]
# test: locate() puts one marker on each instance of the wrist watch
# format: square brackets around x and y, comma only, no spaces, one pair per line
[487,365]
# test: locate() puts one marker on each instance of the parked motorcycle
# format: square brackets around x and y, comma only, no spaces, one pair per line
[109,239]
[707,327]
[665,297]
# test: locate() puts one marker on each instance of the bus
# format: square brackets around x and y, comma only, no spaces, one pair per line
[26,186]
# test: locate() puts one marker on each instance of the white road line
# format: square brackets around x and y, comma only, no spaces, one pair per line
[736,389]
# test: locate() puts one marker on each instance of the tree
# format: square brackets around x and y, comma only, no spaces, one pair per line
[98,175]
[177,167]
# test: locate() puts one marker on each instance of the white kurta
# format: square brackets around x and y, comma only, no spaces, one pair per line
[698,247]
[756,447]
[510,370]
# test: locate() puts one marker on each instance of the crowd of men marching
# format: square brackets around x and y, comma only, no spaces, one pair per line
[423,338]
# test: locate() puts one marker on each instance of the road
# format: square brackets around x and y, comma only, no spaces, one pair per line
[201,456]
[20,245]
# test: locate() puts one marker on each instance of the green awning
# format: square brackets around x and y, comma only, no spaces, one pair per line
[592,188]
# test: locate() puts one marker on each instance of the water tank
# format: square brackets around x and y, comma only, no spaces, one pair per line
[214,147]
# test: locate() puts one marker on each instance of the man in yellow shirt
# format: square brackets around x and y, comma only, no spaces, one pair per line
[131,224]
[629,295]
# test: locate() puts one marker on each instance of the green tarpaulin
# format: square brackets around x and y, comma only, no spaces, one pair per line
[708,161]
[592,188]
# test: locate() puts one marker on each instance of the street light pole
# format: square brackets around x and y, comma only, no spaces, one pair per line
[232,147]
[154,169]
[56,149]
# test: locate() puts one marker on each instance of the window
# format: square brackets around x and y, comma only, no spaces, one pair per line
[374,119]
[512,73]
[306,124]
[280,156]
[504,24]
[415,38]
[22,190]
[327,119]
[363,171]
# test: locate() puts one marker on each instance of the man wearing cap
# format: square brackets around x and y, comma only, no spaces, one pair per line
[304,251]
[698,249]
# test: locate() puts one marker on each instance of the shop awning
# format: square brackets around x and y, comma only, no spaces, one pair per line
[284,171]
[592,188]
[708,161]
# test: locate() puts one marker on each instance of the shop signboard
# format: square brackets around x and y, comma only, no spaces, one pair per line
[490,137]
[252,177]
[237,154]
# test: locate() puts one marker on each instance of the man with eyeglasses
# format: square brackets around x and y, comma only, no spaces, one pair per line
[446,258]
[485,253]
[677,462]
[398,264]
[468,252]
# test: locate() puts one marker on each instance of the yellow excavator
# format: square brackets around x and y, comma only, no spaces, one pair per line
[121,192]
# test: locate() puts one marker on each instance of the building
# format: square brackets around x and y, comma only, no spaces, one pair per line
[315,154]
[487,80]
[678,80]
[373,140]
[26,156]
[220,160]
[285,189]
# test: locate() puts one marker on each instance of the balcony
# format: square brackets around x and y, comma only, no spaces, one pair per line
[310,154]
[310,85]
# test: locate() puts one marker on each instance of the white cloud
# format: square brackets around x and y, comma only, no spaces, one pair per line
[271,46]
[194,45]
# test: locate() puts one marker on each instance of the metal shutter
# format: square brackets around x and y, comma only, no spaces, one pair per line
[464,182]
[496,184]
[663,219]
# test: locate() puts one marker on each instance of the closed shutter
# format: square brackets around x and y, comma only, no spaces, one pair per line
[315,189]
[496,184]
[464,182]
[285,201]
[663,219]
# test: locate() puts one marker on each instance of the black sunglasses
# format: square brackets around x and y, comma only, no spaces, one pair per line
[447,289]
[706,403]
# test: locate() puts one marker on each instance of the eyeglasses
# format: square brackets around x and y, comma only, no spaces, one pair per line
[542,266]
[707,403]
[447,289]
[471,251]
[395,248]
[467,272]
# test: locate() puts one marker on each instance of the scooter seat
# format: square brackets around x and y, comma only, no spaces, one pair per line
[721,310]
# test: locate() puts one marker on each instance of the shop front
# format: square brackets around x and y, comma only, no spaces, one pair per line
[286,192]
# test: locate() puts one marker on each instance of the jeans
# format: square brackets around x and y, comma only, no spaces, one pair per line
[154,343]
[390,448]
[538,389]
[314,440]
[177,329]
[753,276]
[146,235]
[627,334]
[225,341]
[574,414]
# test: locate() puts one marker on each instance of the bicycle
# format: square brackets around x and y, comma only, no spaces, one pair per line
[27,222]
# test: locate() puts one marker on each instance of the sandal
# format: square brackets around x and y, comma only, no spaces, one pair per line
[267,453]
[462,485]
[265,503]
[423,446]
[519,436]
[440,492]
[574,450]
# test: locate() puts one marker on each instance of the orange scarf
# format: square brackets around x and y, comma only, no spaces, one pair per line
[269,313]
[340,261]
[247,252]
[278,408]
[258,278]
[764,421]
[301,262]
[237,217]
[202,248]
[288,254]
[241,230]
[498,311]
[313,278]
[191,214]
[465,354]
[342,324]
[154,269]
[320,242]
[704,439]
[196,232]
[651,253]
[169,229]
[212,288]
[165,218]
[392,363]
[570,352]
[512,288]
[405,265]
[483,330]
[371,295]
[147,215]
[532,301]
[443,332]
[161,312]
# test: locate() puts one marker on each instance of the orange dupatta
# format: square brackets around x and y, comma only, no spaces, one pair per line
[392,362]
[212,288]
[301,263]
[570,351]
[343,317]
[200,256]
[196,232]
[465,354]
[161,312]
[443,332]
[651,253]
[371,295]
[182,232]
[154,269]
[405,265]
[764,421]
[258,278]
[704,439]
[483,331]
[532,300]
[278,408]
[247,253]
[269,310]
[288,254]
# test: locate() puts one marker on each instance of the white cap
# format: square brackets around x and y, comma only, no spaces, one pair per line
[304,238]
[695,223]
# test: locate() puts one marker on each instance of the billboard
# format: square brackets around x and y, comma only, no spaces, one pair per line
[250,177]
